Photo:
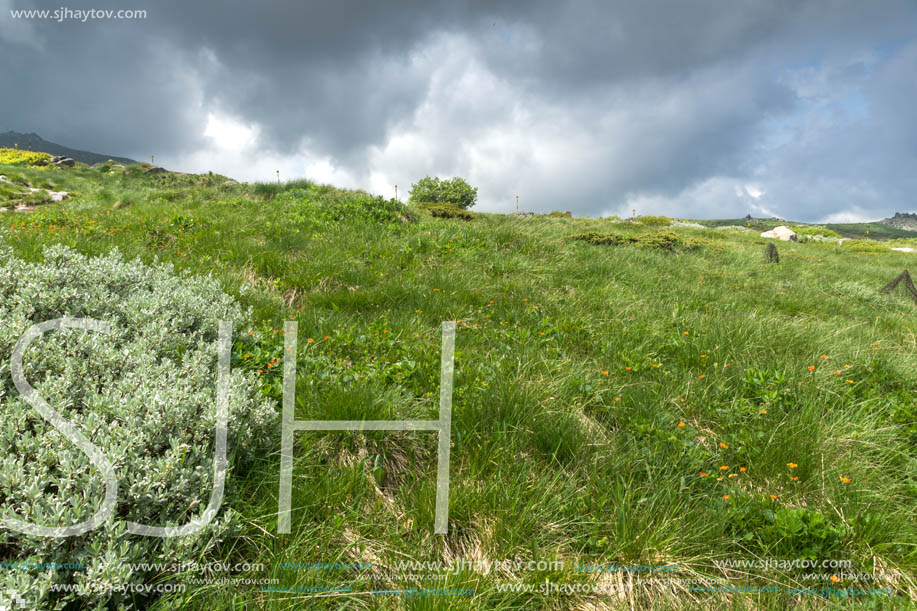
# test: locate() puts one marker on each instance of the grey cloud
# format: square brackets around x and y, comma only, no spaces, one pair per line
[588,106]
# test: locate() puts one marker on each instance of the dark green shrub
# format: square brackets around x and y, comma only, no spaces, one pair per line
[667,240]
[594,237]
[431,189]
[447,211]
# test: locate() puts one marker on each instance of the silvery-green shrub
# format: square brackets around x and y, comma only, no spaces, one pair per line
[144,394]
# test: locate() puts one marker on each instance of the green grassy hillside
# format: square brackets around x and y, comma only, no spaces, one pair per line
[650,396]
[34,142]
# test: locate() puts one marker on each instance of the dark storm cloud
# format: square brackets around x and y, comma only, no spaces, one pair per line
[588,106]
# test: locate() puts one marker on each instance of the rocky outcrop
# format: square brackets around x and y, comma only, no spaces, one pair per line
[781,232]
[62,161]
[902,220]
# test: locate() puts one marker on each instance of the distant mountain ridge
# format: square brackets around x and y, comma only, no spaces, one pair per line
[32,141]
[902,220]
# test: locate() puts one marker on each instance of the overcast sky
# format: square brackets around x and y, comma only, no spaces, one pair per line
[703,109]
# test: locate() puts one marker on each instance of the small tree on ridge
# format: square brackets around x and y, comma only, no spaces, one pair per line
[431,189]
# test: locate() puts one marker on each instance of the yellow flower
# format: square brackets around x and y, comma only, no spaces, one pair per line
[724,468]
[725,496]
[702,377]
[605,373]
[846,480]
[724,446]
[703,356]
[811,367]
[702,474]
[791,465]
[628,368]
[310,340]
[617,398]
[794,478]
[743,469]
[773,496]
[681,425]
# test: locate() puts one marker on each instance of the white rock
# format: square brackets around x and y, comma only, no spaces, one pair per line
[781,233]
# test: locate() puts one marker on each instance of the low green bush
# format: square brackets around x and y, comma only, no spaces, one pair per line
[300,207]
[815,230]
[865,246]
[666,240]
[144,394]
[654,221]
[447,211]
[787,532]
